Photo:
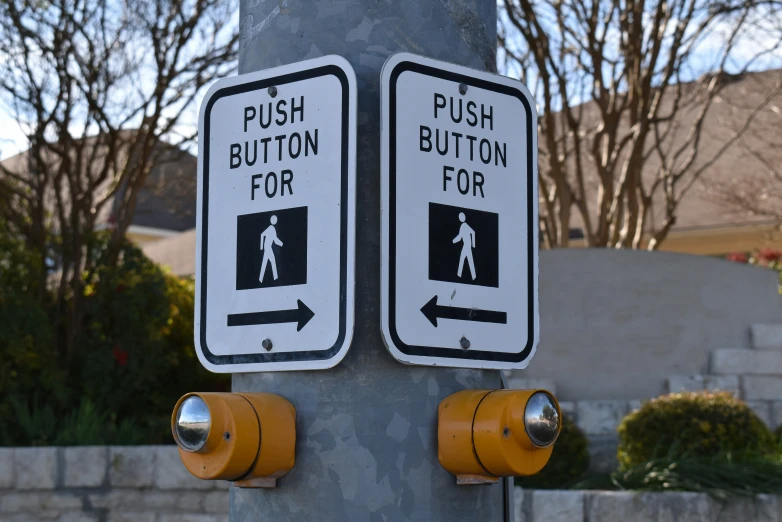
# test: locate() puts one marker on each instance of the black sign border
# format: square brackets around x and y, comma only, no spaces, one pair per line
[457,353]
[311,355]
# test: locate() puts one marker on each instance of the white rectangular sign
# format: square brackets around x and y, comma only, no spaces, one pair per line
[459,216]
[275,253]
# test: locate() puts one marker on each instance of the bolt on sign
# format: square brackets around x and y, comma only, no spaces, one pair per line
[459,216]
[275,253]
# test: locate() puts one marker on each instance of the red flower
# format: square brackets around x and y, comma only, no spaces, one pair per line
[120,355]
[769,255]
[738,257]
[120,288]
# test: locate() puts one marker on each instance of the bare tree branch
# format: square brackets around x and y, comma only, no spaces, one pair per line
[101,89]
[624,89]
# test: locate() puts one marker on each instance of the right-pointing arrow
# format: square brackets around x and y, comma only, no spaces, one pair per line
[433,311]
[300,315]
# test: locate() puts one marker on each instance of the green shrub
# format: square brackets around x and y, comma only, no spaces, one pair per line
[691,424]
[85,426]
[28,357]
[741,473]
[569,460]
[132,360]
[137,356]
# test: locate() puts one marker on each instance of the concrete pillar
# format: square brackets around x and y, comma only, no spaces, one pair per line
[367,440]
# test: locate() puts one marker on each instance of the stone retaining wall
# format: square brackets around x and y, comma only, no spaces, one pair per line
[105,484]
[149,484]
[752,374]
[609,506]
[615,324]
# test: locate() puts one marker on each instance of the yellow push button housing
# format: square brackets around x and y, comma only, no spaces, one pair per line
[246,438]
[486,434]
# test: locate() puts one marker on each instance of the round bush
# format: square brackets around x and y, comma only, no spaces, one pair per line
[698,424]
[569,460]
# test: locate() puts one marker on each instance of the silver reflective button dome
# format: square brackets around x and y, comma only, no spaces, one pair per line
[193,422]
[541,419]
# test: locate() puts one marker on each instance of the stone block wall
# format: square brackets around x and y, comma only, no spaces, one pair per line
[613,506]
[105,484]
[753,374]
[149,484]
[615,324]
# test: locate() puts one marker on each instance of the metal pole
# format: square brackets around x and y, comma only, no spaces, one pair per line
[367,441]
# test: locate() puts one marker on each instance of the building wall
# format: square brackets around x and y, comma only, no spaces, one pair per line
[715,241]
[616,324]
[723,240]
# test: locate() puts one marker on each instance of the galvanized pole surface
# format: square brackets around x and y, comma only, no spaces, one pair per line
[367,429]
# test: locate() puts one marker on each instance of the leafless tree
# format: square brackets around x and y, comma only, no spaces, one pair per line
[624,87]
[103,90]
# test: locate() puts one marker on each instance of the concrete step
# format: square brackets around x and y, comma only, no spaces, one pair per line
[766,336]
[752,362]
[695,383]
[762,388]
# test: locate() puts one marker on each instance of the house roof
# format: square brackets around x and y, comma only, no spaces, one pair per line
[739,165]
[704,205]
[168,199]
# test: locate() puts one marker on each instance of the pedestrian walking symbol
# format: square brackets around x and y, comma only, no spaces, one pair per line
[271,249]
[467,237]
[268,240]
[463,245]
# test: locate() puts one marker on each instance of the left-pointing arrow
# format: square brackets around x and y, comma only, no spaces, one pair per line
[300,315]
[433,311]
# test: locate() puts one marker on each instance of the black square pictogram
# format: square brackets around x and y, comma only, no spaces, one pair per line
[284,236]
[463,245]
